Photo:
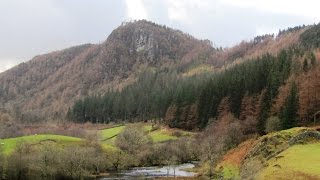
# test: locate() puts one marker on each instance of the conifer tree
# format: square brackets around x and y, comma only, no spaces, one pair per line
[289,112]
[305,65]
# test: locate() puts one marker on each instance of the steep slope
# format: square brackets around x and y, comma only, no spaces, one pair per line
[48,84]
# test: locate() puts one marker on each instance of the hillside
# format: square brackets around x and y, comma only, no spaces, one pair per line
[47,85]
[287,154]
[263,78]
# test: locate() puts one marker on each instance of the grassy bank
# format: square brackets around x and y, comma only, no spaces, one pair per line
[273,157]
[9,145]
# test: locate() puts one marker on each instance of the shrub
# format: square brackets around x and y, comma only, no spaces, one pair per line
[119,160]
[132,138]
[249,126]
[9,128]
[49,161]
[19,162]
[273,124]
[155,127]
[177,133]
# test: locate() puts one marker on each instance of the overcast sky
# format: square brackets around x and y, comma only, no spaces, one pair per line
[32,27]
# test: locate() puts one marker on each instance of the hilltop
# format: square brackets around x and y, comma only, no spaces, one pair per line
[47,85]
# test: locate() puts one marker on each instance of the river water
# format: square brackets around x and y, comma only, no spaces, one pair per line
[153,172]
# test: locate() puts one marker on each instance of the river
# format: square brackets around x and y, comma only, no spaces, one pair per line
[153,172]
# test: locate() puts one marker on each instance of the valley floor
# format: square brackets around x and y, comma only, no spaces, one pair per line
[288,154]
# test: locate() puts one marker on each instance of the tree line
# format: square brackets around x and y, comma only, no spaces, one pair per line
[148,98]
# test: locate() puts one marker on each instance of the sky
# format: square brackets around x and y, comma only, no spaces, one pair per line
[32,27]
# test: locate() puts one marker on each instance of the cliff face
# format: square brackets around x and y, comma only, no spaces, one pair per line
[141,42]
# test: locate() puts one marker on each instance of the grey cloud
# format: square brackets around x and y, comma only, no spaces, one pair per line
[33,27]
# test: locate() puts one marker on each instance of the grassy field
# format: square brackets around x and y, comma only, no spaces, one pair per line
[9,145]
[161,135]
[110,133]
[147,128]
[106,137]
[297,162]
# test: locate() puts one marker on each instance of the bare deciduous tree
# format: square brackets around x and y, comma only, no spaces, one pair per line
[118,159]
[132,139]
[46,161]
[19,161]
[273,124]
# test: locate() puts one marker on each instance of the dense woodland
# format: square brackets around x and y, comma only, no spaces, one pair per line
[157,91]
[148,98]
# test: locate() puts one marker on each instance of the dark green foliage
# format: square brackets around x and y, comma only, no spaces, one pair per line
[267,72]
[279,71]
[309,61]
[289,111]
[305,65]
[311,37]
[264,112]
[312,59]
[290,30]
[148,98]
[155,91]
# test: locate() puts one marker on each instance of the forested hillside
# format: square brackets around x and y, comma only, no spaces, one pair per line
[146,71]
[271,84]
